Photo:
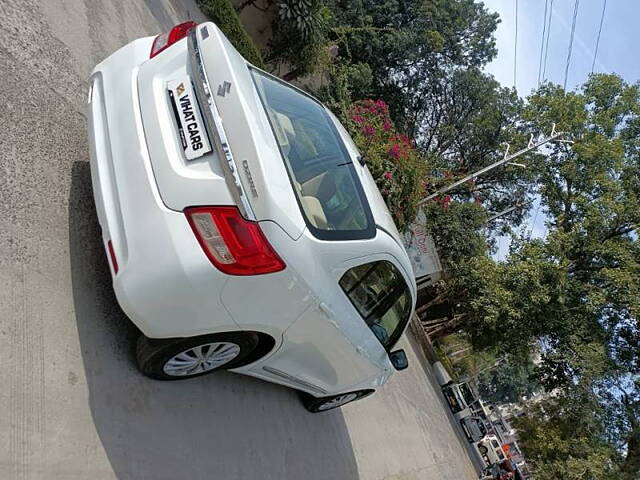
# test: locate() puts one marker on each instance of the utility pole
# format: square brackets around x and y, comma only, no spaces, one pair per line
[506,159]
[508,210]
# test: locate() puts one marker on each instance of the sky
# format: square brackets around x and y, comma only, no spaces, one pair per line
[617,52]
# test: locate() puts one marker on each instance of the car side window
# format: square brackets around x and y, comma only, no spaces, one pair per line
[381,296]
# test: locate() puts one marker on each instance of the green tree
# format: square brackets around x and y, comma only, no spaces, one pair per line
[582,298]
[510,381]
[563,437]
[573,296]
[425,59]
[299,37]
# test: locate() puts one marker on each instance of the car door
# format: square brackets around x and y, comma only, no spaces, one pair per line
[331,347]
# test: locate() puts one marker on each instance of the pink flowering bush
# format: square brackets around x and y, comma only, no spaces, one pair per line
[391,157]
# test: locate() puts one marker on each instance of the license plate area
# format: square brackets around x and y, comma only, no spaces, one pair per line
[192,133]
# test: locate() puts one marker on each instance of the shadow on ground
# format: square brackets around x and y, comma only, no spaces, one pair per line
[221,426]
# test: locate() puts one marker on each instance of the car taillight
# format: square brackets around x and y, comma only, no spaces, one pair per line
[234,245]
[165,40]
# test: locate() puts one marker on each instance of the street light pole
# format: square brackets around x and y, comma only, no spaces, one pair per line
[506,159]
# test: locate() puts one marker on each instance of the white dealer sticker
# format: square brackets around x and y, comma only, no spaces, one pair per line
[191,131]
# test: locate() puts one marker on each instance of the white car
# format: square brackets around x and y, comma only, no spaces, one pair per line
[242,229]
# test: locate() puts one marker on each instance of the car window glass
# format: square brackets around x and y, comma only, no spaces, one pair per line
[382,298]
[467,393]
[322,173]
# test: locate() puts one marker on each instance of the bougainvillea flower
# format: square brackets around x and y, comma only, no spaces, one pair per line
[368,130]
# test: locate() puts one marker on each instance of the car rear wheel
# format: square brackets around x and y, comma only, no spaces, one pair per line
[176,359]
[324,404]
[483,450]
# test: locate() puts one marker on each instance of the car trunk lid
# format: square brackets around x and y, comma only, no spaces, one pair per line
[237,123]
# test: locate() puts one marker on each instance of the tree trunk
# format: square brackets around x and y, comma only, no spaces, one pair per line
[630,469]
[443,326]
[441,320]
[434,301]
[459,352]
[631,466]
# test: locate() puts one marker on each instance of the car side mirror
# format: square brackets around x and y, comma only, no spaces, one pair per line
[399,359]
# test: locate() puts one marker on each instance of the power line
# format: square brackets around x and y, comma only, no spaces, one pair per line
[573,31]
[544,29]
[515,49]
[595,53]
[546,48]
[535,217]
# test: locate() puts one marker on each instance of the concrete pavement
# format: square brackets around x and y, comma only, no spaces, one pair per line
[73,404]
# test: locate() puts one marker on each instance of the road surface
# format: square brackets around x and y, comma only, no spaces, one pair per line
[73,404]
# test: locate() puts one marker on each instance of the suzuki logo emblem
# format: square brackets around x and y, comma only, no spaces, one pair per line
[224,88]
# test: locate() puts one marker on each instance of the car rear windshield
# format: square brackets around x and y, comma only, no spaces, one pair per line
[321,172]
[381,296]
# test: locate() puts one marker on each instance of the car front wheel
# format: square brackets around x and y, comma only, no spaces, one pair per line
[323,404]
[176,359]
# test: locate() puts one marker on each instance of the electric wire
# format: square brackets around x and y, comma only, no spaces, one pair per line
[535,216]
[595,53]
[544,29]
[546,48]
[573,31]
[515,48]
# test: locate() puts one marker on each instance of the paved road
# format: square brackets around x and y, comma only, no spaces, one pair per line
[72,404]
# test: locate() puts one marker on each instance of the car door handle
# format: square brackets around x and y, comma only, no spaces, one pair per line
[325,309]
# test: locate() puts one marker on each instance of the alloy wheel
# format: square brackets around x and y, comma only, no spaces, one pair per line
[201,358]
[338,401]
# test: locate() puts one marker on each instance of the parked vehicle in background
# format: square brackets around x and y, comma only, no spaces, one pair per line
[474,428]
[241,227]
[496,472]
[460,397]
[490,450]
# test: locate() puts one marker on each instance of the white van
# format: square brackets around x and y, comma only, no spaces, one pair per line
[490,450]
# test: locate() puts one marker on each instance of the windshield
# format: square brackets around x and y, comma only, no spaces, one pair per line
[381,296]
[321,172]
[467,393]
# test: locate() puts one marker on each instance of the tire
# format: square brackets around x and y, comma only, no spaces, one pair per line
[323,404]
[210,353]
[483,450]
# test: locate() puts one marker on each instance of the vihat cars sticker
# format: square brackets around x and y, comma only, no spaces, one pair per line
[191,129]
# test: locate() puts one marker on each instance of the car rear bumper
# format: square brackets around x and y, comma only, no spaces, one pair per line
[163,282]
